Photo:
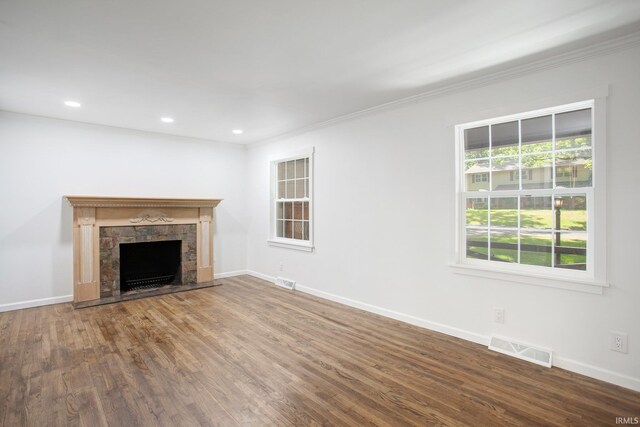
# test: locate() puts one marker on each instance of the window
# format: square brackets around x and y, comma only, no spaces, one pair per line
[534,213]
[515,175]
[480,177]
[292,218]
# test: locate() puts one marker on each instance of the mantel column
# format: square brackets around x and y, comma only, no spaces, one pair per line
[205,245]
[85,253]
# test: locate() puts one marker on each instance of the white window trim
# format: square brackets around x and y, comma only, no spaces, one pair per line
[281,242]
[594,279]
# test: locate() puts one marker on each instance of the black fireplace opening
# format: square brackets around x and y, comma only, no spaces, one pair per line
[147,265]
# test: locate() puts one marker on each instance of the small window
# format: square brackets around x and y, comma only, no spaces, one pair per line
[526,175]
[480,177]
[291,219]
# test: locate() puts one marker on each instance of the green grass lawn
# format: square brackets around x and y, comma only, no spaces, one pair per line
[542,219]
[531,257]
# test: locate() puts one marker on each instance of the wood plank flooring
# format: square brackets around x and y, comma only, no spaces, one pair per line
[249,353]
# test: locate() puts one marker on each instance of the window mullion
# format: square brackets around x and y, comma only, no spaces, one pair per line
[521,187]
[489,227]
[553,151]
[490,161]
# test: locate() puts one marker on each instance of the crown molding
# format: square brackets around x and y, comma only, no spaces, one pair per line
[576,55]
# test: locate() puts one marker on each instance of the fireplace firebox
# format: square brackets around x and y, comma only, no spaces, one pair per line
[145,265]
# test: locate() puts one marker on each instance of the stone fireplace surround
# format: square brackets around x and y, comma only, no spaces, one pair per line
[112,237]
[144,219]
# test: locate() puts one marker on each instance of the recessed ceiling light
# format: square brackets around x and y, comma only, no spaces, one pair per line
[237,131]
[72,104]
[167,120]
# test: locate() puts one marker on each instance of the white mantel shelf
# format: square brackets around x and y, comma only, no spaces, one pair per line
[139,202]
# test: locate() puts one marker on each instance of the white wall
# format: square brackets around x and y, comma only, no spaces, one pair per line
[384,211]
[43,159]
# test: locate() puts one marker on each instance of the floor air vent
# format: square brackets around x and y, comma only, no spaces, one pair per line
[526,352]
[285,283]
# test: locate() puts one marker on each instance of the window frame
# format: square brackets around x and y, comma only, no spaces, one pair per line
[283,242]
[593,279]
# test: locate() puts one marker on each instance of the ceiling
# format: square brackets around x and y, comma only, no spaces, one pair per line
[269,67]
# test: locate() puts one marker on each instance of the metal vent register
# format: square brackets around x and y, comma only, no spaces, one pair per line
[528,352]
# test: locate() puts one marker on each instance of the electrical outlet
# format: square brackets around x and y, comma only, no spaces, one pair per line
[498,315]
[619,341]
[281,267]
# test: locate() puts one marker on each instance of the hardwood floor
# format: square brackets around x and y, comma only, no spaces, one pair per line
[248,353]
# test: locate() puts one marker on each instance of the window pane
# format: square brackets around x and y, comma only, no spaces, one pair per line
[280,210]
[540,167]
[477,211]
[504,139]
[306,230]
[306,188]
[504,246]
[536,212]
[281,190]
[280,228]
[291,187]
[305,210]
[297,210]
[288,210]
[501,169]
[536,135]
[477,244]
[535,248]
[298,230]
[571,250]
[571,212]
[291,169]
[477,175]
[307,172]
[300,168]
[288,229]
[299,188]
[573,129]
[504,212]
[573,168]
[281,171]
[476,143]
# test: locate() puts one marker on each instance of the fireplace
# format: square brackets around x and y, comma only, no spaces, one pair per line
[119,243]
[149,265]
[146,256]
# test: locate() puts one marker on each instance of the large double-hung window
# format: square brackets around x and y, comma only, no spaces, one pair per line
[534,211]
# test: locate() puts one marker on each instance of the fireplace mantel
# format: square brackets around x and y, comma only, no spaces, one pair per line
[139,202]
[92,212]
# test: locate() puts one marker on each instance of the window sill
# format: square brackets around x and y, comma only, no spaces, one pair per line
[299,246]
[589,286]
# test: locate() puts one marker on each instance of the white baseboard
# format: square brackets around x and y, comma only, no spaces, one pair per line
[268,279]
[597,373]
[558,361]
[35,303]
[407,318]
[262,276]
[230,274]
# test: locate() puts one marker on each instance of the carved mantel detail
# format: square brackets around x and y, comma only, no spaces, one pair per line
[152,217]
[90,213]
